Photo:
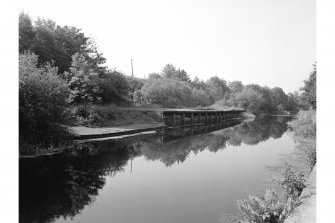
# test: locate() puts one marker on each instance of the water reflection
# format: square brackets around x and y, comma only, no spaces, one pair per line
[62,185]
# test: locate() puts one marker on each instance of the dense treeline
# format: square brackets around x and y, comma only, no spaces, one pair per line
[61,71]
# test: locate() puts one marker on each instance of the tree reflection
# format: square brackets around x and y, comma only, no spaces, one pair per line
[173,147]
[62,185]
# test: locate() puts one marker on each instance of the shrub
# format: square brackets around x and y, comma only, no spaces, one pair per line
[82,115]
[292,183]
[42,103]
[264,209]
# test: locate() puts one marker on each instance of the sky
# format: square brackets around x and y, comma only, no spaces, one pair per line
[268,42]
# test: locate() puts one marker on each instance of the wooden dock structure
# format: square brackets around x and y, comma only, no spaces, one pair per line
[176,118]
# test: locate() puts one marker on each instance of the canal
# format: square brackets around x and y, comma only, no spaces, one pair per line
[182,175]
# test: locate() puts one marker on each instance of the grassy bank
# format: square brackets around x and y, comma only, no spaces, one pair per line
[270,208]
[112,116]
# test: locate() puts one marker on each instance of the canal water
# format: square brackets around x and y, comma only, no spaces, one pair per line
[182,175]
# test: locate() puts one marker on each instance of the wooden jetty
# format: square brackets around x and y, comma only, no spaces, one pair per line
[176,118]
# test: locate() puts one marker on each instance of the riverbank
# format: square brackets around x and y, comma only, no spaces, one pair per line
[306,211]
[82,132]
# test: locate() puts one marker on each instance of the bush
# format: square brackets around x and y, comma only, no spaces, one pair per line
[42,103]
[305,125]
[84,115]
[292,183]
[264,209]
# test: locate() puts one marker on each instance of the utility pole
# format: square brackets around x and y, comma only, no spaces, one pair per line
[132,72]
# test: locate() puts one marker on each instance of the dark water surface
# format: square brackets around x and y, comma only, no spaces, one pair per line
[186,175]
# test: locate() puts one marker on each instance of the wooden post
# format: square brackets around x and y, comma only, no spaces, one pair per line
[191,118]
[199,117]
[206,117]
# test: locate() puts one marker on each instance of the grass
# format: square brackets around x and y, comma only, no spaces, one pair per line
[111,115]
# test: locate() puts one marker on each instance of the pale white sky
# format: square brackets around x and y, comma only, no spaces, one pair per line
[268,42]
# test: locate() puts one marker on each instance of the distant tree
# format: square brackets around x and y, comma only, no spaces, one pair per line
[82,81]
[181,75]
[171,93]
[250,100]
[154,76]
[235,86]
[26,32]
[269,103]
[217,87]
[309,90]
[255,87]
[280,98]
[200,85]
[169,71]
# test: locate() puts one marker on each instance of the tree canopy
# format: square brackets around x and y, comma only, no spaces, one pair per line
[309,89]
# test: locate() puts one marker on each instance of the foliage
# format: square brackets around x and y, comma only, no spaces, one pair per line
[250,100]
[292,183]
[82,81]
[309,90]
[279,98]
[26,32]
[114,87]
[264,209]
[217,87]
[235,86]
[305,125]
[171,72]
[200,85]
[56,43]
[134,84]
[42,102]
[170,93]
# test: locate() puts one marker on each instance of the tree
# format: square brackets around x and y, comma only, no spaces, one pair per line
[235,86]
[57,44]
[154,76]
[309,90]
[280,98]
[250,99]
[181,75]
[200,85]
[42,102]
[26,32]
[168,71]
[217,87]
[82,81]
[115,87]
